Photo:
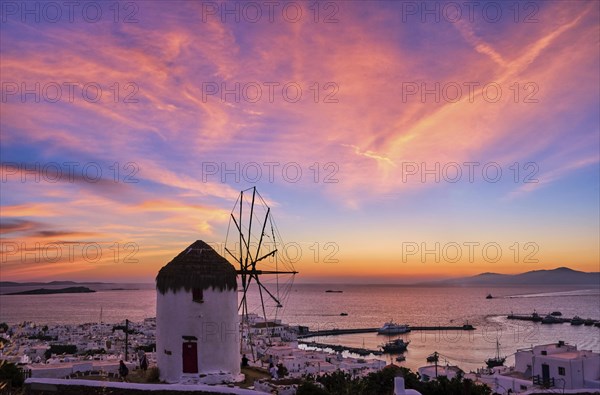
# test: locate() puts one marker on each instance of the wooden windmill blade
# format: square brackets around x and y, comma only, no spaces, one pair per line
[250,226]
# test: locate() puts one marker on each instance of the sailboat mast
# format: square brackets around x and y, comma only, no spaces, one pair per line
[497,349]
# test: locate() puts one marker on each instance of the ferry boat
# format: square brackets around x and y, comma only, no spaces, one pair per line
[395,346]
[390,328]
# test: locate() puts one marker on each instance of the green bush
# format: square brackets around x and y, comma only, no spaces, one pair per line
[382,383]
[153,375]
[60,349]
[310,388]
[94,352]
[11,372]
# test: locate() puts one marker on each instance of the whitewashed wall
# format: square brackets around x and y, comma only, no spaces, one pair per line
[214,323]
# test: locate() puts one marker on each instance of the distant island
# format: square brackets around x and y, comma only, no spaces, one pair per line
[44,291]
[558,276]
[51,283]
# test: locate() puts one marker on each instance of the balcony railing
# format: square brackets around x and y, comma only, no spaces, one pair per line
[544,382]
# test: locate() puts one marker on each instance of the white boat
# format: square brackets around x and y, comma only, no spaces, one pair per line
[390,328]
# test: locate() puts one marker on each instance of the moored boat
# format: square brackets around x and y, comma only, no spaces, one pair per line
[556,313]
[550,319]
[433,358]
[391,328]
[497,360]
[577,321]
[395,346]
[588,322]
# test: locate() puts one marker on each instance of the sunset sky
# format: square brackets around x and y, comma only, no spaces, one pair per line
[158,113]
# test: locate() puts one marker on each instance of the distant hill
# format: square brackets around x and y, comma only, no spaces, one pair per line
[40,284]
[558,276]
[44,291]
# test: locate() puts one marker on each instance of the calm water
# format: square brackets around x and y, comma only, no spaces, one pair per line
[367,306]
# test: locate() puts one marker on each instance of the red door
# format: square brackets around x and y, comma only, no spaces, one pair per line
[190,357]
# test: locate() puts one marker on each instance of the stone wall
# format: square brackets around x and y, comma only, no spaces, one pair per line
[89,387]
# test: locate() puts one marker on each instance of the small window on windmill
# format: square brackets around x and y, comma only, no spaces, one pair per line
[197,295]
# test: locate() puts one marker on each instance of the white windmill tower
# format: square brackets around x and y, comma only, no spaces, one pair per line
[197,325]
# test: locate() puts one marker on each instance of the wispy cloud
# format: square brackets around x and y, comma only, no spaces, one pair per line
[353,112]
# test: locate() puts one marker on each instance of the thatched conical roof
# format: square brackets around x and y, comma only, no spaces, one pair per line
[198,266]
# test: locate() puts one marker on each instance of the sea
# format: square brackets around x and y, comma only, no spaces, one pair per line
[366,306]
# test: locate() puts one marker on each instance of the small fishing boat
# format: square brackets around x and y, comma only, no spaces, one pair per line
[556,313]
[489,296]
[334,291]
[433,358]
[577,321]
[343,314]
[395,346]
[550,319]
[588,322]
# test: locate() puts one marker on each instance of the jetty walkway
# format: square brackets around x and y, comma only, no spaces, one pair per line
[336,331]
[535,317]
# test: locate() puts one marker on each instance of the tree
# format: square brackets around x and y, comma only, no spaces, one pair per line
[382,383]
[310,388]
[340,383]
[11,373]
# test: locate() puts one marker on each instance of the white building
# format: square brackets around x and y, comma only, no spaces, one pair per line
[432,372]
[197,327]
[400,390]
[557,366]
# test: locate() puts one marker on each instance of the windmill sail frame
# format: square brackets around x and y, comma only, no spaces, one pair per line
[253,255]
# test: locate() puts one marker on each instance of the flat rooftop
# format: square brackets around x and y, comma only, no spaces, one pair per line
[566,355]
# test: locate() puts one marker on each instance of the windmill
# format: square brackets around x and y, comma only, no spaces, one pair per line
[254,242]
